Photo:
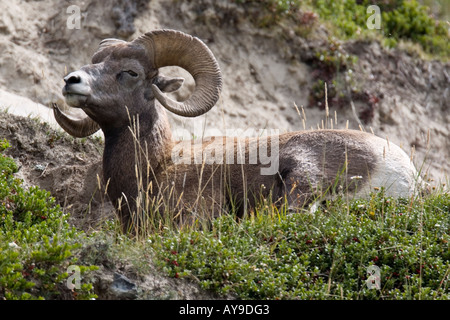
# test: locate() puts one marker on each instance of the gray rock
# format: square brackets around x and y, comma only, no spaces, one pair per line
[123,288]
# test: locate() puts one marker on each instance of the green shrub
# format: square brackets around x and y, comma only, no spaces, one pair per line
[348,17]
[401,19]
[411,21]
[37,244]
[274,254]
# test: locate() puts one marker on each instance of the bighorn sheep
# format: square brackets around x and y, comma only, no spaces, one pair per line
[123,83]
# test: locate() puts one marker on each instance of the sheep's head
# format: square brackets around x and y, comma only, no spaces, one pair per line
[124,79]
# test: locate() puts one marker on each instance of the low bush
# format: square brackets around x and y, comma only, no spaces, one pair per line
[328,254]
[37,245]
[400,20]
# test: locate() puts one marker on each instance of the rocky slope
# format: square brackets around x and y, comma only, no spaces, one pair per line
[266,71]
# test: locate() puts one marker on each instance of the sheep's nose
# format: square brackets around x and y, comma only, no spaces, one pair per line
[72,78]
[77,82]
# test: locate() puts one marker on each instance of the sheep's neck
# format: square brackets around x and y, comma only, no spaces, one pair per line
[125,147]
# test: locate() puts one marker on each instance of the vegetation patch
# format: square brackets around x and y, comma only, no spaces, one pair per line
[400,20]
[37,245]
[347,19]
[333,66]
[328,254]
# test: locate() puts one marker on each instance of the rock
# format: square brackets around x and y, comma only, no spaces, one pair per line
[123,288]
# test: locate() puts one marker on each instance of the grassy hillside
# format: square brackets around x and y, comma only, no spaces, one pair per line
[271,254]
[274,254]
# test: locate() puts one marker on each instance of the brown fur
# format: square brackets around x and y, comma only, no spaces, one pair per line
[211,189]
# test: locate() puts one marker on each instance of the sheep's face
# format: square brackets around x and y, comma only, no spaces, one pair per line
[116,85]
[123,81]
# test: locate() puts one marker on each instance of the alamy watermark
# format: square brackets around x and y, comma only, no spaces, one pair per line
[374,279]
[233,146]
[74,279]
[374,21]
[75,15]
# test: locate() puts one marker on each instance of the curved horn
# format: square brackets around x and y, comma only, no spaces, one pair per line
[79,128]
[175,48]
[104,47]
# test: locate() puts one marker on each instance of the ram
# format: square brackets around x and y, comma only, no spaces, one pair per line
[123,94]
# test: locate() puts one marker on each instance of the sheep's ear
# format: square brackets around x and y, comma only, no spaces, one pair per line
[166,84]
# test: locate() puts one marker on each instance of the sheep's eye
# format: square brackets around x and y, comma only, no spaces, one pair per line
[132,73]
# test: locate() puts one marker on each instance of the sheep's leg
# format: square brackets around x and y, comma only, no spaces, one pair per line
[298,194]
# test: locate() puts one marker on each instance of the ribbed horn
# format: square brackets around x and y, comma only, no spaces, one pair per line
[104,47]
[79,128]
[175,48]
